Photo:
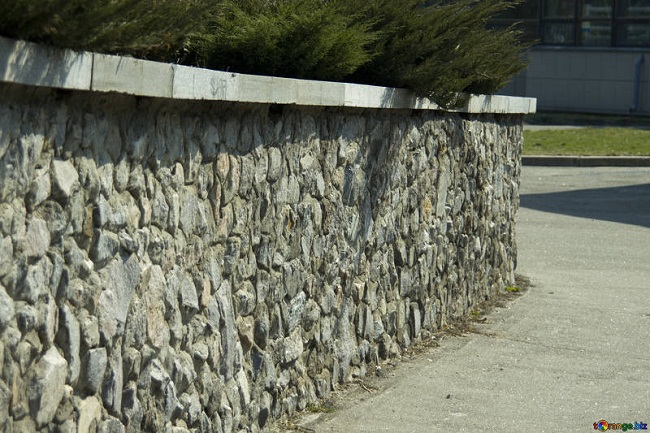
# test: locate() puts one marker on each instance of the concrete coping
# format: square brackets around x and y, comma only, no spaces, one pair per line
[31,64]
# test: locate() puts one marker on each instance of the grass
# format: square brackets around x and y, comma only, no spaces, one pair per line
[318,408]
[606,141]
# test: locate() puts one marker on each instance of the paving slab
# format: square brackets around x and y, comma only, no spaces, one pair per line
[573,350]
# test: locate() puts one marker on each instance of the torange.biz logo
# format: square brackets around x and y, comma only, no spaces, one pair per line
[603,425]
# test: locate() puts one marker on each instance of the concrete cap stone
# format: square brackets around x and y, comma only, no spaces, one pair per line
[31,64]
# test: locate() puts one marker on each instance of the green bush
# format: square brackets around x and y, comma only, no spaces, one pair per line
[442,48]
[154,29]
[291,38]
[438,48]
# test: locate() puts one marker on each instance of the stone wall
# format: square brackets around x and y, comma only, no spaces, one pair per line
[172,266]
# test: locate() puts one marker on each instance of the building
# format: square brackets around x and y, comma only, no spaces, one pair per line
[591,56]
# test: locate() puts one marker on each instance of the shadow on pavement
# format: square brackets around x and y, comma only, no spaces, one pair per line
[624,204]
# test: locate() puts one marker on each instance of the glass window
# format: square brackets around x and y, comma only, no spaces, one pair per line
[634,8]
[596,33]
[559,9]
[596,8]
[634,34]
[561,33]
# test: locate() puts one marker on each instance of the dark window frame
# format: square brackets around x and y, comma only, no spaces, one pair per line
[537,28]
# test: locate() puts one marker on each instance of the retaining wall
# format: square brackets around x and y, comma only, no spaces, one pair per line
[169,264]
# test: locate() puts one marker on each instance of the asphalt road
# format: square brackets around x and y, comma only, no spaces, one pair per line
[573,350]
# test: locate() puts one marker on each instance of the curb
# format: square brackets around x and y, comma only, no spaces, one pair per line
[586,161]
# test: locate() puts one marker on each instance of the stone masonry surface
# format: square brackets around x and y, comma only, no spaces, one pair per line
[212,266]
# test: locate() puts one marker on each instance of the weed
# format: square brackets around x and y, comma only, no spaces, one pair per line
[317,408]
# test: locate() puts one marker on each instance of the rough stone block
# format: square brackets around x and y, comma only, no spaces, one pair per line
[95,362]
[47,379]
[90,414]
[65,179]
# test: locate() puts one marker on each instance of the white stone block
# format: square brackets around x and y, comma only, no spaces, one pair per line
[38,65]
[197,83]
[132,76]
[322,93]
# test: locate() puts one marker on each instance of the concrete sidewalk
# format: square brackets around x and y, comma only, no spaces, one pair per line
[573,350]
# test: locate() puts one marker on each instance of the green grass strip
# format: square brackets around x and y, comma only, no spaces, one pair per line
[588,142]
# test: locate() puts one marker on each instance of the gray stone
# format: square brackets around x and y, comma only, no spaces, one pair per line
[229,334]
[213,314]
[244,299]
[153,298]
[120,279]
[189,298]
[135,331]
[88,177]
[27,425]
[111,425]
[95,362]
[102,212]
[57,272]
[291,347]
[128,242]
[48,320]
[65,179]
[189,211]
[105,248]
[192,407]
[37,281]
[131,408]
[6,218]
[132,361]
[40,188]
[25,317]
[262,326]
[121,175]
[245,329]
[69,338]
[45,391]
[113,383]
[7,311]
[183,373]
[90,414]
[89,330]
[244,388]
[294,278]
[6,255]
[174,212]
[275,165]
[159,209]
[296,309]
[444,180]
[172,407]
[201,352]
[416,319]
[232,255]
[5,400]
[77,260]
[230,185]
[124,212]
